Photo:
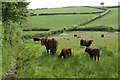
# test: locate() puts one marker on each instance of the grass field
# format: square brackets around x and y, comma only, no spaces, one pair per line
[34,62]
[109,19]
[58,21]
[67,10]
[32,32]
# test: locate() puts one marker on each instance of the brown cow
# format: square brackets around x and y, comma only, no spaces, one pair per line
[64,52]
[93,52]
[36,39]
[75,35]
[102,35]
[50,44]
[86,43]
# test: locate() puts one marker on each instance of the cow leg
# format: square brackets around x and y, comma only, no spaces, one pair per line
[47,50]
[64,56]
[70,53]
[98,57]
[91,57]
[95,58]
[51,51]
[54,50]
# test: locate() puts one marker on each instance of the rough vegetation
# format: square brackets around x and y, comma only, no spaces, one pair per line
[33,60]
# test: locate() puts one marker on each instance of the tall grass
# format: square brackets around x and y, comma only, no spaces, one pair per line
[34,62]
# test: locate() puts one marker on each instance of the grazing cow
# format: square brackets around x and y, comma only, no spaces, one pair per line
[78,37]
[64,52]
[36,39]
[102,35]
[86,43]
[50,44]
[75,35]
[93,52]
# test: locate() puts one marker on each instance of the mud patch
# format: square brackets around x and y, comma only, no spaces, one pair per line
[65,33]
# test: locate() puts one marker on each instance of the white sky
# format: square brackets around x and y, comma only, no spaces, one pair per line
[63,3]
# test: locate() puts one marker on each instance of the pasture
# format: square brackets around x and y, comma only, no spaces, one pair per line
[34,62]
[110,19]
[58,21]
[66,10]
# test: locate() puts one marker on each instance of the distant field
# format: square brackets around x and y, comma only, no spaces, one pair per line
[109,19]
[32,32]
[58,21]
[34,62]
[67,10]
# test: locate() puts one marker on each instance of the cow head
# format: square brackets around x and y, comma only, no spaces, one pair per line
[81,42]
[42,41]
[59,56]
[90,42]
[87,49]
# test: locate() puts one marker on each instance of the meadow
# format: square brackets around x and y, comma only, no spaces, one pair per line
[110,19]
[66,10]
[58,21]
[34,62]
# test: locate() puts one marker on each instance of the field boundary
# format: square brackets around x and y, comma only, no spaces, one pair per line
[32,14]
[77,27]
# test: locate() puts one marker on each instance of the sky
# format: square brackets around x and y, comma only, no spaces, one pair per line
[64,3]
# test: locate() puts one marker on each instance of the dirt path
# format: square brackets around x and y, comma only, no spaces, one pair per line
[11,73]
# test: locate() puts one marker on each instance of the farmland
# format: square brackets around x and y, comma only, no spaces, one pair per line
[110,19]
[60,21]
[43,65]
[67,10]
[34,62]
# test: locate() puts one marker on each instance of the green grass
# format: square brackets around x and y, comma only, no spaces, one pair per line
[32,32]
[34,62]
[67,10]
[58,21]
[109,19]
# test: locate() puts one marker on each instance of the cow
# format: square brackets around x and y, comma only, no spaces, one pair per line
[78,37]
[64,52]
[102,35]
[50,44]
[86,43]
[93,52]
[36,39]
[75,35]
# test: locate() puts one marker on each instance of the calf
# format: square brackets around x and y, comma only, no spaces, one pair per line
[93,52]
[50,44]
[86,43]
[64,52]
[36,39]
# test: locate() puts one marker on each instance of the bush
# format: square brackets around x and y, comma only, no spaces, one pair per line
[11,40]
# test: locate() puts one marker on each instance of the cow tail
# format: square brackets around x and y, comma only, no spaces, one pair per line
[98,52]
[70,52]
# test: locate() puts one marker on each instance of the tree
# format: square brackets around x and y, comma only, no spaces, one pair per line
[15,11]
[102,3]
[13,14]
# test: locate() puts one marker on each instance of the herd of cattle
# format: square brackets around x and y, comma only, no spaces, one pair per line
[51,44]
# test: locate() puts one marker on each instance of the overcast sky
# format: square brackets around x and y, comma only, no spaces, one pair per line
[63,3]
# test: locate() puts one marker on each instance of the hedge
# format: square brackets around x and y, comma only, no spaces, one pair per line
[76,27]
